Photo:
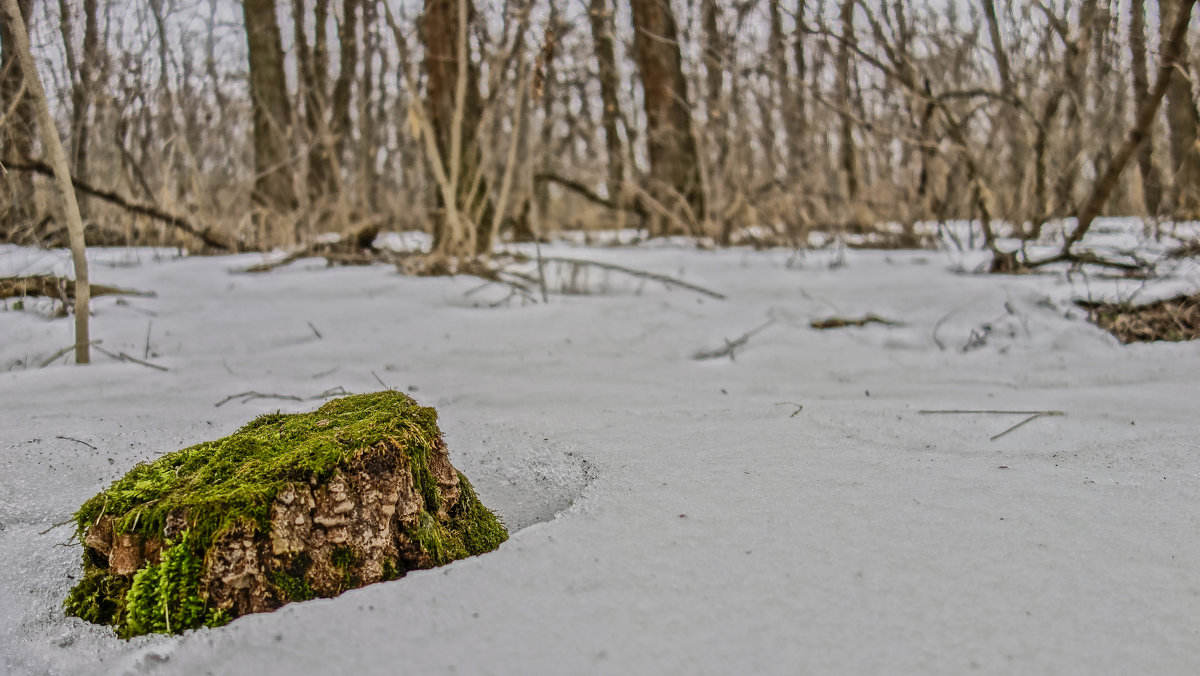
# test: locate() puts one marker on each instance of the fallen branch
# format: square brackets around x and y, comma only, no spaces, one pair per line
[121,356]
[59,288]
[587,193]
[204,234]
[51,359]
[78,441]
[251,395]
[731,345]
[641,274]
[842,322]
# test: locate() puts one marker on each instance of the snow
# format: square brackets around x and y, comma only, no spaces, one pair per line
[669,515]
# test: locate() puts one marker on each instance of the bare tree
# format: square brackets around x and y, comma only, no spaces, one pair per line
[14,22]
[16,132]
[274,190]
[674,163]
[1182,122]
[601,18]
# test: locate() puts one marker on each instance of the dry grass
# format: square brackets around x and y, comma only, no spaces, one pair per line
[1173,319]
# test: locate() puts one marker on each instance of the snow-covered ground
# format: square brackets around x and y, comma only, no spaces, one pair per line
[787,511]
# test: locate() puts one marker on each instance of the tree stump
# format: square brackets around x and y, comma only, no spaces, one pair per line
[288,508]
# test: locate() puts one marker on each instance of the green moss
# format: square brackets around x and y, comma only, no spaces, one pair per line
[99,597]
[218,484]
[343,559]
[480,530]
[473,529]
[390,571]
[291,587]
[165,597]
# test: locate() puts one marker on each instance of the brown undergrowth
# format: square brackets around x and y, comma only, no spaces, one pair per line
[1171,319]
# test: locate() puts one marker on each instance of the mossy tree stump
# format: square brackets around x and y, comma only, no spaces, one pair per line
[288,508]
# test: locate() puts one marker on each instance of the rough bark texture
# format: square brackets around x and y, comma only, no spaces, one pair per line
[1183,123]
[381,499]
[674,163]
[439,32]
[339,123]
[601,18]
[313,63]
[16,137]
[273,187]
[1151,179]
[847,153]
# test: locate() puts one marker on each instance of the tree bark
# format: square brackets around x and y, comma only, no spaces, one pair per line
[273,186]
[1015,202]
[339,122]
[461,156]
[17,132]
[1182,122]
[799,147]
[601,18]
[1173,50]
[847,151]
[674,163]
[1152,188]
[19,37]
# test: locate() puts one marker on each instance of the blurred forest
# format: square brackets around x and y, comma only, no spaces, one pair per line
[220,126]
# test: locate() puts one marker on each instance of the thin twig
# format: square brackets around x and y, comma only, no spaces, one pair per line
[380,381]
[315,331]
[58,525]
[121,356]
[78,441]
[986,412]
[667,280]
[52,358]
[799,407]
[842,322]
[1030,419]
[731,345]
[247,396]
[251,395]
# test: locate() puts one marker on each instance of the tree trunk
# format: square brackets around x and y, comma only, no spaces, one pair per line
[440,31]
[847,152]
[81,88]
[674,163]
[313,64]
[799,144]
[606,60]
[1174,46]
[273,187]
[1013,204]
[339,122]
[1183,124]
[791,114]
[17,36]
[17,133]
[1151,179]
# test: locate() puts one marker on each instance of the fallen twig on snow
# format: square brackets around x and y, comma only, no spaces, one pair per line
[799,407]
[59,288]
[50,360]
[634,272]
[251,395]
[731,345]
[78,441]
[1033,415]
[121,356]
[842,322]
